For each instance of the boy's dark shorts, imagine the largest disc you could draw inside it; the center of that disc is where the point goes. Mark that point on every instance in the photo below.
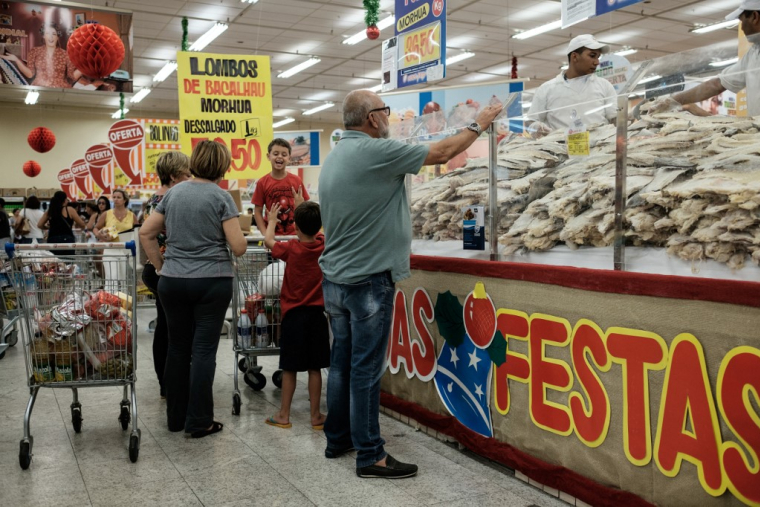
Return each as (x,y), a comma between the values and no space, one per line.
(304,340)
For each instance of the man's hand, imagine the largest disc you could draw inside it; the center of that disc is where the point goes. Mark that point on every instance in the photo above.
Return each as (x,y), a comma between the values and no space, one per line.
(487,115)
(297,196)
(662,105)
(538,129)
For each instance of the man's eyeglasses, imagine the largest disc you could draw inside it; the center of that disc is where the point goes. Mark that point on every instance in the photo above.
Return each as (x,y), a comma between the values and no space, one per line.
(386,110)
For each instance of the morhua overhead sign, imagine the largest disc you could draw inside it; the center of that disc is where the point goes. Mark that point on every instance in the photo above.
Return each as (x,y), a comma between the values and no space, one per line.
(227,98)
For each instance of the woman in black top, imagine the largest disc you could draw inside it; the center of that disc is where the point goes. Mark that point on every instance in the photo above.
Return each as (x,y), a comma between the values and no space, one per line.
(58,218)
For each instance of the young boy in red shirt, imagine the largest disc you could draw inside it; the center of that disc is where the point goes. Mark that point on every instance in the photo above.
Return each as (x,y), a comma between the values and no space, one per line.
(279,187)
(304,341)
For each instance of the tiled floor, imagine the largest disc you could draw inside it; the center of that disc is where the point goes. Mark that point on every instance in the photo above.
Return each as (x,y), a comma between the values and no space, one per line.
(248,463)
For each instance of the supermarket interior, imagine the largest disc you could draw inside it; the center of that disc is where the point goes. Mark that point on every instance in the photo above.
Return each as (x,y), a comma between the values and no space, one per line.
(572,188)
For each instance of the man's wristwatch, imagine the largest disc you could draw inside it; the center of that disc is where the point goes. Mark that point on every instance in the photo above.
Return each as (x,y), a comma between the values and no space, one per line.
(475,128)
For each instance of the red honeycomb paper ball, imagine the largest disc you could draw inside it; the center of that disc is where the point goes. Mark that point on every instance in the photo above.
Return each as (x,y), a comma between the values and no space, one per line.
(41,139)
(373,32)
(95,50)
(32,168)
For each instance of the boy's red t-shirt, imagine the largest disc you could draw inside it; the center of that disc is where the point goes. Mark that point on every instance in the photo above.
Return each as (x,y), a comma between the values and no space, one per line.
(302,283)
(269,190)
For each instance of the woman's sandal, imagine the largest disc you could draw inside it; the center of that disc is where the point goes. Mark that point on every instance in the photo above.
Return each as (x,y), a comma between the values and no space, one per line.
(215,428)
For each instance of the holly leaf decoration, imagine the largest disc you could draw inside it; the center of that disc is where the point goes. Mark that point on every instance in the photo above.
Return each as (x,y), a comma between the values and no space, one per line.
(497,351)
(448,316)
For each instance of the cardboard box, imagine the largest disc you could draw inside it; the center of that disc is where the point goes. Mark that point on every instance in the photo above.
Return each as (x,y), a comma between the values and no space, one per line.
(237,198)
(41,193)
(245,223)
(14,192)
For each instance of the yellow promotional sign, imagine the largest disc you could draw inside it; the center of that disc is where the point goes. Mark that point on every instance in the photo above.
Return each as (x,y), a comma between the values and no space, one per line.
(421,46)
(578,144)
(227,98)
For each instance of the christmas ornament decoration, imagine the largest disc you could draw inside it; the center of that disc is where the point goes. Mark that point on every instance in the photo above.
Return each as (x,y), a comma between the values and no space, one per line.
(373,32)
(41,139)
(463,382)
(514,67)
(32,168)
(480,316)
(185,44)
(95,50)
(121,106)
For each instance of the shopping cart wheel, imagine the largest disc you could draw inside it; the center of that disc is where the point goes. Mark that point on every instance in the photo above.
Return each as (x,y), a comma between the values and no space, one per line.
(25,455)
(2,354)
(12,339)
(134,448)
(76,417)
(255,381)
(277,378)
(243,364)
(124,416)
(236,404)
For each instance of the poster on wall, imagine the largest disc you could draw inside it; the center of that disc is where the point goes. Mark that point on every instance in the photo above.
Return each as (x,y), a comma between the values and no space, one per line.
(420,42)
(227,98)
(33,39)
(304,147)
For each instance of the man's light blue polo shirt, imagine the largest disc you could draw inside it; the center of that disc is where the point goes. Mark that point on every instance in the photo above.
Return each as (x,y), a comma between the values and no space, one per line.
(365,212)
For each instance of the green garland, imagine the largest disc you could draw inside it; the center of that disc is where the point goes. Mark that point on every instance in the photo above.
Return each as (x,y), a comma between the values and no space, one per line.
(184,34)
(373,10)
(121,105)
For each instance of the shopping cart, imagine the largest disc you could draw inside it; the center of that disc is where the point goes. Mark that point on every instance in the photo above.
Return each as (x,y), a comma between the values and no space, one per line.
(9,312)
(79,330)
(257,282)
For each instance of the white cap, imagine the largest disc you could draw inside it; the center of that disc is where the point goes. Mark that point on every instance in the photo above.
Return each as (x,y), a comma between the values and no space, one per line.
(745,5)
(589,41)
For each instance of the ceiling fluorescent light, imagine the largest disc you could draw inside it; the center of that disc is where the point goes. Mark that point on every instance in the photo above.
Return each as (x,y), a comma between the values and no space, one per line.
(538,30)
(716,26)
(626,52)
(140,95)
(249,1)
(165,72)
(318,108)
(376,88)
(298,68)
(650,78)
(31,97)
(117,114)
(283,122)
(724,62)
(360,36)
(459,57)
(209,36)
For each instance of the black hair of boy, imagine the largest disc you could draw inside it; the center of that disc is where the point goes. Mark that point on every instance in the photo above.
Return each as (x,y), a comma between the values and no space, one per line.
(278,141)
(308,218)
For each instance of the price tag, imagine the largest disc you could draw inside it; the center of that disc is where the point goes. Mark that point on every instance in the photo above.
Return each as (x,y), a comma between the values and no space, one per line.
(421,46)
(578,144)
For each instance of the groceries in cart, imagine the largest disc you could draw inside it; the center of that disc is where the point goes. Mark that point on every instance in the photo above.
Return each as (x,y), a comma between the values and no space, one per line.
(85,337)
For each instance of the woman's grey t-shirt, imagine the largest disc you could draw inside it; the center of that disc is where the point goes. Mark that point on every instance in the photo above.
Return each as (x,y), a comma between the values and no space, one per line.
(195,243)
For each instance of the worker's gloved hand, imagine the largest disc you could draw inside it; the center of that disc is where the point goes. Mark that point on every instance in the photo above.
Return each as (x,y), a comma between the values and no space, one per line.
(661,105)
(538,129)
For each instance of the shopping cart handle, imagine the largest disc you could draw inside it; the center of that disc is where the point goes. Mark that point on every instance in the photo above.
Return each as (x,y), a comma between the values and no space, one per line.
(10,248)
(130,245)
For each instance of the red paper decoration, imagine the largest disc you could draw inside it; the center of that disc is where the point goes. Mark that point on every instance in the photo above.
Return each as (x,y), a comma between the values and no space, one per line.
(373,32)
(41,139)
(514,67)
(32,168)
(95,50)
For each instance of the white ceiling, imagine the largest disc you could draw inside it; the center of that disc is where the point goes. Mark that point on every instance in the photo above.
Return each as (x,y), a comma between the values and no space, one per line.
(291,30)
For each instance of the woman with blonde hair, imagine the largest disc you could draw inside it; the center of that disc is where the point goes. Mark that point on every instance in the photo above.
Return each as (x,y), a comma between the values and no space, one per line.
(172,167)
(201,221)
(119,218)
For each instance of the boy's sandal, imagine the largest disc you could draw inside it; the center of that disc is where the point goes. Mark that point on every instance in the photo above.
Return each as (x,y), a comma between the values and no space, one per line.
(270,421)
(318,427)
(215,428)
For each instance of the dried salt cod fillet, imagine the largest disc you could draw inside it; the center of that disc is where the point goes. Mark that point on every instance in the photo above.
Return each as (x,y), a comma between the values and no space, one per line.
(721,144)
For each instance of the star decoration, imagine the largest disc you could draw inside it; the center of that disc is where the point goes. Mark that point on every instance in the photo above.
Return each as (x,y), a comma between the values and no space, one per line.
(478,391)
(474,360)
(454,357)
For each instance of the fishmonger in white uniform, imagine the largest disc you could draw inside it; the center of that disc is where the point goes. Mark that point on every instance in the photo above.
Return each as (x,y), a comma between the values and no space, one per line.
(577,94)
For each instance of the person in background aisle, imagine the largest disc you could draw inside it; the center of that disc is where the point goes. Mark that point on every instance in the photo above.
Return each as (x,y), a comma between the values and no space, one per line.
(280,187)
(305,342)
(368,236)
(118,219)
(29,218)
(5,227)
(576,94)
(195,287)
(172,167)
(101,206)
(743,74)
(58,219)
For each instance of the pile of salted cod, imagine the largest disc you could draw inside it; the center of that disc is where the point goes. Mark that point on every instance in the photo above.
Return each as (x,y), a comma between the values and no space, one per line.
(693,187)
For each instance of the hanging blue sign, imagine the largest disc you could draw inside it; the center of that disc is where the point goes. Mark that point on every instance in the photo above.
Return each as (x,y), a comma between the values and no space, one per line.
(605,6)
(421,46)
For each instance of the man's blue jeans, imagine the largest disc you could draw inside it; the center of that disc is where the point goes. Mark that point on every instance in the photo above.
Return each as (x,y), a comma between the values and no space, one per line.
(360,319)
